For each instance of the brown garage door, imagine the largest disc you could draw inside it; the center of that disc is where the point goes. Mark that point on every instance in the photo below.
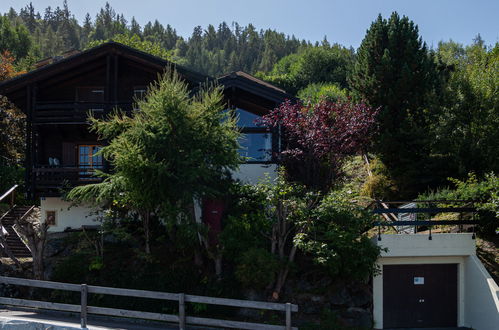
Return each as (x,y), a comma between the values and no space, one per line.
(419,296)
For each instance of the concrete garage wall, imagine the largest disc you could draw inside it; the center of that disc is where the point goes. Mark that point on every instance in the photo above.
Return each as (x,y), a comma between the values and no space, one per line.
(409,245)
(67,216)
(482,296)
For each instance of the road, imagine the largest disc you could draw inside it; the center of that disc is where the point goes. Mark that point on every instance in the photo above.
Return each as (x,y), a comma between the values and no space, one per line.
(63,321)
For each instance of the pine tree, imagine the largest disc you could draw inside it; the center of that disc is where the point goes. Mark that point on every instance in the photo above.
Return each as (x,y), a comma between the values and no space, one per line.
(395,72)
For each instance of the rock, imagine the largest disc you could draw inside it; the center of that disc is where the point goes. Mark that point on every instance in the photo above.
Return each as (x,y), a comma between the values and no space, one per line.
(356,317)
(361,297)
(311,309)
(340,297)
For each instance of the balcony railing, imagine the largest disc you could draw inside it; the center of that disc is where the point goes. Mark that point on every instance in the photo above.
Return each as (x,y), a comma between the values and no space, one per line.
(50,112)
(57,177)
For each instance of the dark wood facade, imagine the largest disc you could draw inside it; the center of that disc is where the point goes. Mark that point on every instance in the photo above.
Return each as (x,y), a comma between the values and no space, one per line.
(58,97)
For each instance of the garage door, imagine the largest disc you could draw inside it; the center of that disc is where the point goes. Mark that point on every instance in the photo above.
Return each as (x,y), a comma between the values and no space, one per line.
(420,296)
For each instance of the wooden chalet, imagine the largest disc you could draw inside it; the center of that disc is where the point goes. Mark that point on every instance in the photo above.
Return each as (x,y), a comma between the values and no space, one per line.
(58,96)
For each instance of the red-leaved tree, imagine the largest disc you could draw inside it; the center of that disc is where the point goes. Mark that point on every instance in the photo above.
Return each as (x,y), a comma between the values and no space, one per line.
(319,137)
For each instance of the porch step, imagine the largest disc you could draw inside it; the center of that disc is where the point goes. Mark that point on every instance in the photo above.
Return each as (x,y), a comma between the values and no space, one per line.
(14,242)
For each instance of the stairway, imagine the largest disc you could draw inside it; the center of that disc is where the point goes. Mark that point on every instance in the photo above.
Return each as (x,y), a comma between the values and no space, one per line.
(14,242)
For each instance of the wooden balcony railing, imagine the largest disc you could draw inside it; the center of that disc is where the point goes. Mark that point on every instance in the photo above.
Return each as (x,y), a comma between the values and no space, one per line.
(50,112)
(55,177)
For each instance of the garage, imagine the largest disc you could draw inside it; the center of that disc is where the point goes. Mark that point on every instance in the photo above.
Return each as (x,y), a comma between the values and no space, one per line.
(420,295)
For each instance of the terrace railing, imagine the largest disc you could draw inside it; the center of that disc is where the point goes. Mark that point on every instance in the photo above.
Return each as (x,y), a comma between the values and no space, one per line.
(459,207)
(182,319)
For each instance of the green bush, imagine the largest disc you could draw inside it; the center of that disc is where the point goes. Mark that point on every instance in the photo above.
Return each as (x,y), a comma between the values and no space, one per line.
(336,238)
(257,268)
(484,191)
(379,185)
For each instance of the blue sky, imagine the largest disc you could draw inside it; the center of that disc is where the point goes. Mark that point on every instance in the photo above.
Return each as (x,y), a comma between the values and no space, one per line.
(344,22)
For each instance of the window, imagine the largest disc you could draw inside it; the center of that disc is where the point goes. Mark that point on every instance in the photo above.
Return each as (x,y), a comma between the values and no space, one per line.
(256,140)
(88,160)
(139,93)
(256,147)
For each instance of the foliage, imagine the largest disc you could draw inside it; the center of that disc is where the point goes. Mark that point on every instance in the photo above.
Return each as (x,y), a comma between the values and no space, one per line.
(395,72)
(335,236)
(320,137)
(214,50)
(257,268)
(134,41)
(317,92)
(12,121)
(14,38)
(379,185)
(178,146)
(484,191)
(325,64)
(466,129)
(245,224)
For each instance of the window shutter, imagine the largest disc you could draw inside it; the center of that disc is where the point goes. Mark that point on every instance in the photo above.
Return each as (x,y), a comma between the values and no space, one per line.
(68,154)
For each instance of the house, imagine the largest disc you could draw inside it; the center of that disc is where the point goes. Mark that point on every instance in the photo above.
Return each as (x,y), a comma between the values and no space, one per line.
(57,96)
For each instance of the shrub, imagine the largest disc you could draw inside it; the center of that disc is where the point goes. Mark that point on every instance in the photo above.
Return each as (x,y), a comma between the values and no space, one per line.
(257,268)
(484,191)
(336,238)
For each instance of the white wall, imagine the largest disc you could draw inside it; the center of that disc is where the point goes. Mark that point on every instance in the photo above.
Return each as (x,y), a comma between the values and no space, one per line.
(414,245)
(253,173)
(478,294)
(482,296)
(67,216)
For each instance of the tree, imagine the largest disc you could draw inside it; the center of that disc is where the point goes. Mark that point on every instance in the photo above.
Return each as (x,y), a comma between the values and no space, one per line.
(395,72)
(175,149)
(15,39)
(466,128)
(12,120)
(320,137)
(323,64)
(134,41)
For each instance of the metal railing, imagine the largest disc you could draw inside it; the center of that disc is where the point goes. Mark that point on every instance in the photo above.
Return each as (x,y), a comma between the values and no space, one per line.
(182,319)
(12,193)
(385,208)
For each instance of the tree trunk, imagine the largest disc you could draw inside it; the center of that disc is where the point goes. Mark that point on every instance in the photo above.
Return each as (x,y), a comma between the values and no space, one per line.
(5,248)
(283,275)
(145,221)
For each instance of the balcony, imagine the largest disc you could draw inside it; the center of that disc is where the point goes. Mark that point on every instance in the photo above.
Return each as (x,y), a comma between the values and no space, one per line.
(74,112)
(49,181)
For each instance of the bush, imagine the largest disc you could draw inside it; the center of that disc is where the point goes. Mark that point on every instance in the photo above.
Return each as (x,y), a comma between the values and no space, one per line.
(336,238)
(484,191)
(257,268)
(380,185)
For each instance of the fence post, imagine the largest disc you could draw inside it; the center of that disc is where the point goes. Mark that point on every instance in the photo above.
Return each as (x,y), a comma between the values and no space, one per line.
(181,311)
(83,313)
(288,316)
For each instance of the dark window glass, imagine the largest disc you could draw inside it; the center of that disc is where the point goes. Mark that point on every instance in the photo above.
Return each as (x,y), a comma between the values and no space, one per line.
(246,118)
(256,146)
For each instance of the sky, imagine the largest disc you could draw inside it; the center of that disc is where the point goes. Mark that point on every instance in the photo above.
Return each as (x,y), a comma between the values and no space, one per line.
(344,22)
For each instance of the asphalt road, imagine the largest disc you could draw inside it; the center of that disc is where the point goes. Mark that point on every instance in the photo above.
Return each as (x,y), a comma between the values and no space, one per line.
(71,320)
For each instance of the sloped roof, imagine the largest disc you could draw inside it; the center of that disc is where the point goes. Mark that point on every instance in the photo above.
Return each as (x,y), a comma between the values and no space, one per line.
(78,59)
(245,81)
